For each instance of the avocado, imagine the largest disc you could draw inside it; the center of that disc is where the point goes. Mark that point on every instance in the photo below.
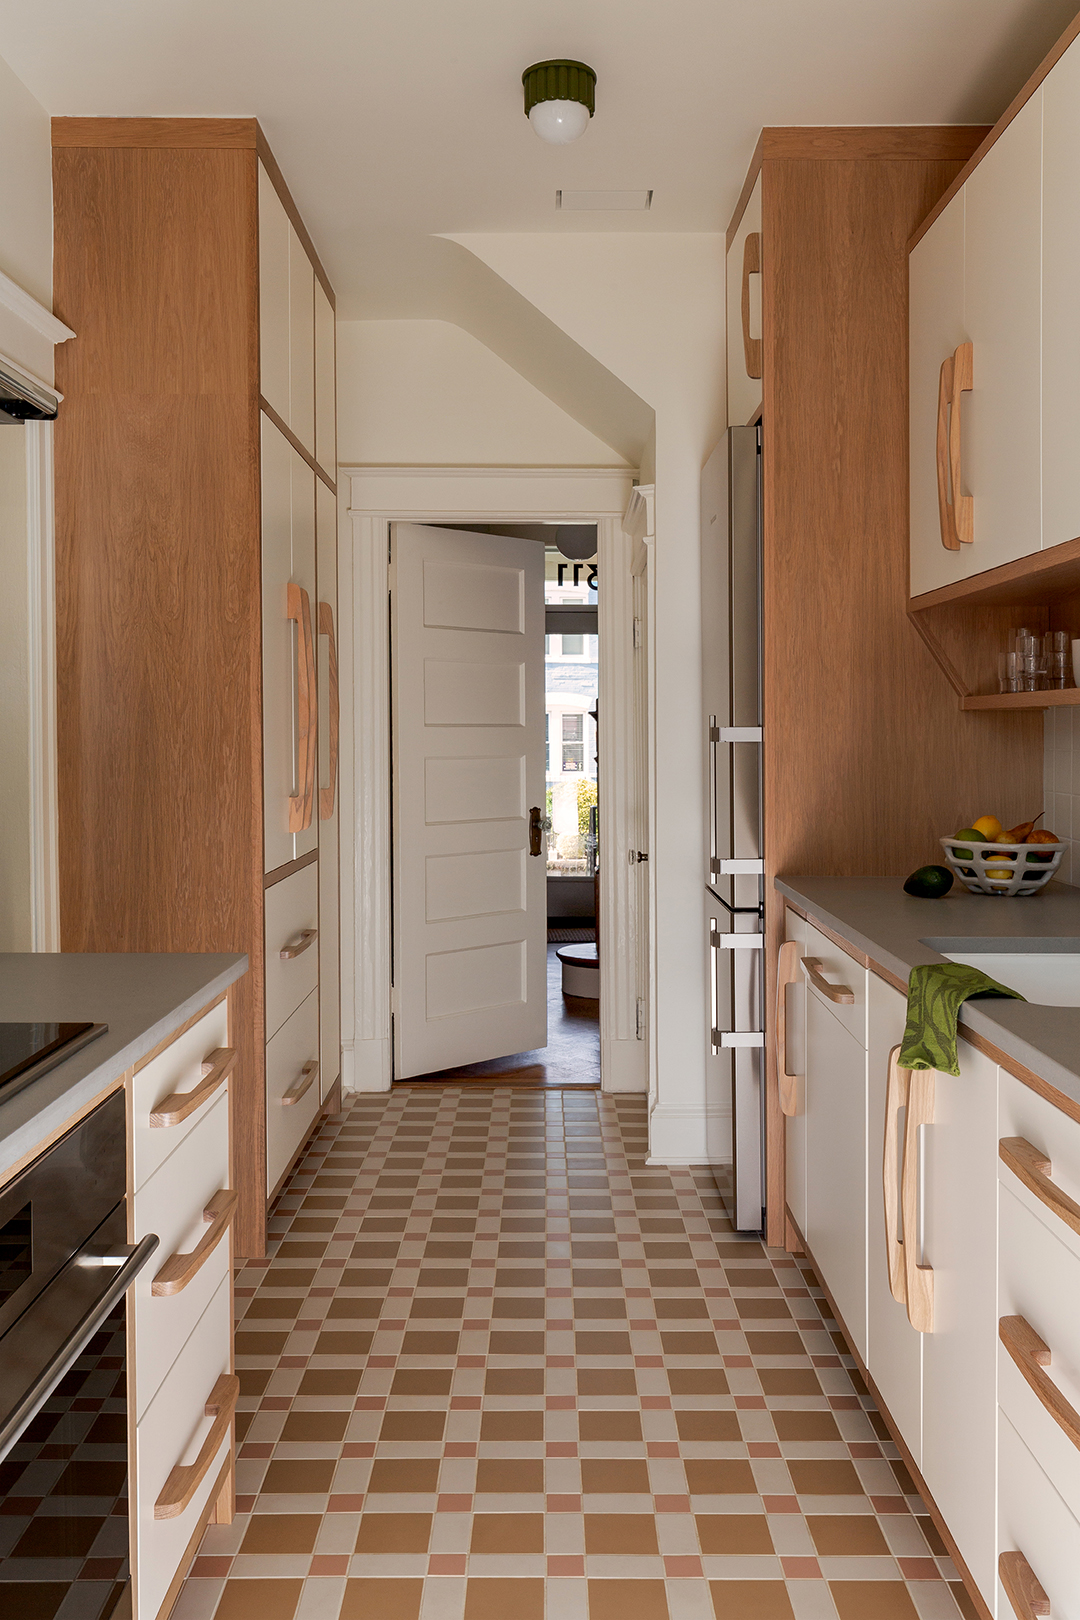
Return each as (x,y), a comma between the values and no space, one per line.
(929,882)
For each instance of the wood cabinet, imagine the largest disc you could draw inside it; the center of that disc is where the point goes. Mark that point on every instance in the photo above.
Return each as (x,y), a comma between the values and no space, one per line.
(744,349)
(196,584)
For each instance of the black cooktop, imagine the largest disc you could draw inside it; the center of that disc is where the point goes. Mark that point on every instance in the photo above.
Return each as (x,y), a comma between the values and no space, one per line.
(28,1051)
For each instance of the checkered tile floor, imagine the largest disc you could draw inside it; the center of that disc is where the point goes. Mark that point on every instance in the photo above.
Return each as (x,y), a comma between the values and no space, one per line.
(499,1368)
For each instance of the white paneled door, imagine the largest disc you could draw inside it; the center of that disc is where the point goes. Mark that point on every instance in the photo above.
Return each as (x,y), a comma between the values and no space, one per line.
(470,900)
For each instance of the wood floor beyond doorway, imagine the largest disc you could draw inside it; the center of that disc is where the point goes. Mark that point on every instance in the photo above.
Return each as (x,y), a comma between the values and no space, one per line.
(570,1058)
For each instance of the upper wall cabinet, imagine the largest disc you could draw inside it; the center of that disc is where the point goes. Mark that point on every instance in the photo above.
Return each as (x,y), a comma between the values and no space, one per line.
(325,383)
(744,345)
(975,316)
(286,317)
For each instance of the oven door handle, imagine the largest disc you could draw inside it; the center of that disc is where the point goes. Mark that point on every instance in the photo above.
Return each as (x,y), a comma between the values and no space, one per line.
(119,1265)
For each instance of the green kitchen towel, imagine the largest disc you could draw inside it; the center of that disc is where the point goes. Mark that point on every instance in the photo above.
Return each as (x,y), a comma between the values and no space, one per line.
(935,992)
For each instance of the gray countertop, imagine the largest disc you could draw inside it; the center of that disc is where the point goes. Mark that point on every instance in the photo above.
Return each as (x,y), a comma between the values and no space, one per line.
(889,926)
(142,998)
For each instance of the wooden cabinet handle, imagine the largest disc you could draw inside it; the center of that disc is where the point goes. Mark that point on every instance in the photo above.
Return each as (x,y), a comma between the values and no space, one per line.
(956,516)
(1032,1356)
(787,972)
(185,1479)
(297,947)
(751,266)
(181,1267)
(841,994)
(918,1279)
(178,1105)
(1033,1169)
(301,1084)
(328,794)
(1023,1591)
(896,1097)
(301,802)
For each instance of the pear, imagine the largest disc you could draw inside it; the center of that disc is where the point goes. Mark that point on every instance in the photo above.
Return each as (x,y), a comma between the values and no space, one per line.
(1020,833)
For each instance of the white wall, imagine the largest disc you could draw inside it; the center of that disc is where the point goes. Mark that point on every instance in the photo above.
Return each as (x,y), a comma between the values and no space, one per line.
(651,310)
(25,257)
(427,393)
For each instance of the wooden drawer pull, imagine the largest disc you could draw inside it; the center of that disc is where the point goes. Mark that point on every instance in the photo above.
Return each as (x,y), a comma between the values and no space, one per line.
(185,1479)
(1032,1356)
(956,516)
(326,628)
(1023,1591)
(178,1105)
(841,994)
(1033,1169)
(896,1097)
(918,1279)
(181,1267)
(787,970)
(303,1083)
(298,946)
(302,801)
(751,266)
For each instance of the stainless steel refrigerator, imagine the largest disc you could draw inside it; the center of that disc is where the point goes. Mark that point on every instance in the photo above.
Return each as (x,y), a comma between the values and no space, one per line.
(734,880)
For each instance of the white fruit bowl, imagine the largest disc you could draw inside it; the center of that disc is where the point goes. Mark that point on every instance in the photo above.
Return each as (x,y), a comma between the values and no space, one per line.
(1021,876)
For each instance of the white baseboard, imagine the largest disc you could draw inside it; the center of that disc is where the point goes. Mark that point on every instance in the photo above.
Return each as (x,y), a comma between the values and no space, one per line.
(678,1135)
(367,1065)
(624,1066)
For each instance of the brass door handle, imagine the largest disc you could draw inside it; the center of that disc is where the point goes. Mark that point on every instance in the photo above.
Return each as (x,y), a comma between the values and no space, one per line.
(538,825)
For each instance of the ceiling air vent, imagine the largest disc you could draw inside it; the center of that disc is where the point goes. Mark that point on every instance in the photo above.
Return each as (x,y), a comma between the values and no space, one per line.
(607,202)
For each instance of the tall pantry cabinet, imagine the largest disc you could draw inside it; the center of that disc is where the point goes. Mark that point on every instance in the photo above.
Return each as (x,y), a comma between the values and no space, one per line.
(197,595)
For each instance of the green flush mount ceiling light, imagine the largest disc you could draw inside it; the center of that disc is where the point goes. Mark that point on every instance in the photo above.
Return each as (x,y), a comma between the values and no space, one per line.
(560,98)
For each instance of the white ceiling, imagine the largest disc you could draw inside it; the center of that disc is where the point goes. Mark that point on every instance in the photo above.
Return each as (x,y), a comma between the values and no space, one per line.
(394,122)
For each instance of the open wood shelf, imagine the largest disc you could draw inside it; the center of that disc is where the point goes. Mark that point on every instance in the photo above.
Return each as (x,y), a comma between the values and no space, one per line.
(1022,700)
(1042,577)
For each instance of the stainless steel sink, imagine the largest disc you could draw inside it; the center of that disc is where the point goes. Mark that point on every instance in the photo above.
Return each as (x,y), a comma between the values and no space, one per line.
(1045,971)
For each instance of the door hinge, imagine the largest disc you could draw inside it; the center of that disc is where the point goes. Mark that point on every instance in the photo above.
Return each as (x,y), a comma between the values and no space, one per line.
(641,1018)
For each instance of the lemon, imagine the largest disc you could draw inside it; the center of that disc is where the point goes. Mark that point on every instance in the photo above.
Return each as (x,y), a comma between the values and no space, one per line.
(990,827)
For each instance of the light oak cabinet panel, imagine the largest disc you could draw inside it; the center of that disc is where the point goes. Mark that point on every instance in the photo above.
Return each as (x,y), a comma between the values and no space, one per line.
(744,391)
(1002,300)
(959,1241)
(894,1350)
(329,793)
(936,316)
(836,1162)
(1060,304)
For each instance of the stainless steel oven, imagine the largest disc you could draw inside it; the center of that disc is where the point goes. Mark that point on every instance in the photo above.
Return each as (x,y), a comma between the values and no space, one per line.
(65,1267)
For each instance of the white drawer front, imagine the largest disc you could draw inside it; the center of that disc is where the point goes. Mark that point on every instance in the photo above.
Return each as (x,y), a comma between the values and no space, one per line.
(172,1431)
(291,919)
(1034,1520)
(838,968)
(287,1124)
(1023,1114)
(178,1068)
(1039,1280)
(171,1204)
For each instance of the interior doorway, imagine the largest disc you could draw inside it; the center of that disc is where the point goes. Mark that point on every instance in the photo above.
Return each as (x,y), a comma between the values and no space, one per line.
(525,500)
(488,945)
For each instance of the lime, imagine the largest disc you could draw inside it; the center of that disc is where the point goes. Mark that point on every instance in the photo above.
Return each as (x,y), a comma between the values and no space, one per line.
(976,838)
(929,882)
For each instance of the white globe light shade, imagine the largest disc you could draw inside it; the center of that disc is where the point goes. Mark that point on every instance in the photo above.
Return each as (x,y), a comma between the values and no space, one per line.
(559,122)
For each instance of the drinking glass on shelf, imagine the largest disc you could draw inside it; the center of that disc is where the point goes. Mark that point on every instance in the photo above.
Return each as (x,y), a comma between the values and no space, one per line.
(1008,680)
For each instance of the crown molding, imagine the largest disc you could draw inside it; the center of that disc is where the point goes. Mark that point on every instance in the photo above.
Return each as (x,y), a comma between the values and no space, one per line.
(43,321)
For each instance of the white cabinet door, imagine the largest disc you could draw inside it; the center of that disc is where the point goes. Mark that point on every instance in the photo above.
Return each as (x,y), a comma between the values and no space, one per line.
(836,1162)
(792,1054)
(959,1241)
(274,317)
(744,391)
(301,343)
(1002,449)
(325,383)
(893,1348)
(1060,305)
(288,557)
(936,320)
(329,794)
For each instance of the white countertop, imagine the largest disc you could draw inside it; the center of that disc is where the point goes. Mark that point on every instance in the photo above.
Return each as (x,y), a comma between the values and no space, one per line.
(142,997)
